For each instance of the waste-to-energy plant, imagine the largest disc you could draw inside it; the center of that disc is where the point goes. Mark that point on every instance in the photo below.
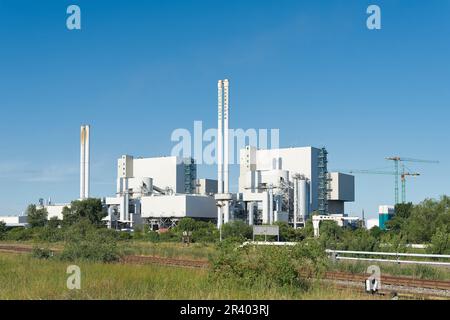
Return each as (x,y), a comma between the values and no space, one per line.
(284,184)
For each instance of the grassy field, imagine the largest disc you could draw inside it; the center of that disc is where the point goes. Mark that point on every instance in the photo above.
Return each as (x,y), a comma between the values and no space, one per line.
(195,251)
(23,277)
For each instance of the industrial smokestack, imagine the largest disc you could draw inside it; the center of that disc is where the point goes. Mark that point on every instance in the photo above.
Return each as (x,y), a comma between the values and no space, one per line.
(226,147)
(219,149)
(84,162)
(219,137)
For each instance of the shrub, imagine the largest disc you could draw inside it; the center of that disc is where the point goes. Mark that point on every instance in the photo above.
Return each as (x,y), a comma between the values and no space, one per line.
(19,234)
(269,266)
(49,234)
(37,217)
(440,241)
(86,242)
(237,230)
(41,253)
(3,230)
(90,209)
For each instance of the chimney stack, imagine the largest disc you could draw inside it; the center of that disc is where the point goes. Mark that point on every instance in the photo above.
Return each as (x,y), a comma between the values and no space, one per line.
(84,162)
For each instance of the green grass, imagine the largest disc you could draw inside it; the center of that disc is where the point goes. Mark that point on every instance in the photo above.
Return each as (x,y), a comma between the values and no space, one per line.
(195,251)
(24,277)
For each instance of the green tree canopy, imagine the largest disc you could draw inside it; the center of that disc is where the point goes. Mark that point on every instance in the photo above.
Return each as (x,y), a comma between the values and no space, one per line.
(90,209)
(36,217)
(3,229)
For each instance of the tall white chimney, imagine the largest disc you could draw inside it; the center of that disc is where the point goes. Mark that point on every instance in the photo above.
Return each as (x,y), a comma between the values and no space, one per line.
(84,162)
(226,148)
(220,138)
(87,173)
(219,149)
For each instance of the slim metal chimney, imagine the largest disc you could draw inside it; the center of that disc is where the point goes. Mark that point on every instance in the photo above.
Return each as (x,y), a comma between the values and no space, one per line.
(84,162)
(219,149)
(226,148)
(220,138)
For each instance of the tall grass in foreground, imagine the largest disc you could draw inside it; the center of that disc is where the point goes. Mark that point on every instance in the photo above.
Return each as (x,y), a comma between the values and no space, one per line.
(194,251)
(24,277)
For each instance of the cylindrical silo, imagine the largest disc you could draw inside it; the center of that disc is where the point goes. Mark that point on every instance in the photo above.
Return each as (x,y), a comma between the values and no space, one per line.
(303,198)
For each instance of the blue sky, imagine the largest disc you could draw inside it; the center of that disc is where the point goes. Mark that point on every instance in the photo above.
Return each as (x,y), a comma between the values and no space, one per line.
(140,69)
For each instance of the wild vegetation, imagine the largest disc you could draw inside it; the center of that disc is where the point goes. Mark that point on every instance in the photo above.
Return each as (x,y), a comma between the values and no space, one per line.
(24,277)
(236,272)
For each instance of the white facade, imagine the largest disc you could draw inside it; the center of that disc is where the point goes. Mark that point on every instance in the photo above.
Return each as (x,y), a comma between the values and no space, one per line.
(280,162)
(14,221)
(342,187)
(158,189)
(386,209)
(370,223)
(55,210)
(165,172)
(178,206)
(206,186)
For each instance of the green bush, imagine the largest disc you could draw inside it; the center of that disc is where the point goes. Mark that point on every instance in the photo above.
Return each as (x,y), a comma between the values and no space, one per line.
(87,242)
(237,231)
(268,266)
(123,235)
(440,241)
(19,234)
(37,217)
(41,253)
(49,234)
(3,230)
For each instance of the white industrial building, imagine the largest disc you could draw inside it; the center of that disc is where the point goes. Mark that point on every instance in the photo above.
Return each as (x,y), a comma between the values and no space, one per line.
(14,221)
(158,191)
(286,184)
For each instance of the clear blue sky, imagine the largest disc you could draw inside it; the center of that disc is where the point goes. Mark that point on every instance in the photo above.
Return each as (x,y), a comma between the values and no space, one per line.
(140,69)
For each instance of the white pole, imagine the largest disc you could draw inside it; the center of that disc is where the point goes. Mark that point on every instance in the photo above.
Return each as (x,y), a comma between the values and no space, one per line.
(87,163)
(220,138)
(82,159)
(219,150)
(226,148)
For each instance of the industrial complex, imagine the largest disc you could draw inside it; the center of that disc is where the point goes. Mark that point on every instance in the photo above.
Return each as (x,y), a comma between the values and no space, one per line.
(283,184)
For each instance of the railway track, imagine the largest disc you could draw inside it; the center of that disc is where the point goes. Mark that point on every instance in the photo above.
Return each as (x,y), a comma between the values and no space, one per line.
(165,261)
(391,280)
(15,248)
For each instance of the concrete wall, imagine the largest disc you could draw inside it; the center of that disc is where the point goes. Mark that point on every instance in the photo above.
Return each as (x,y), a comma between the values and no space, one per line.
(342,187)
(178,206)
(55,210)
(206,186)
(14,221)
